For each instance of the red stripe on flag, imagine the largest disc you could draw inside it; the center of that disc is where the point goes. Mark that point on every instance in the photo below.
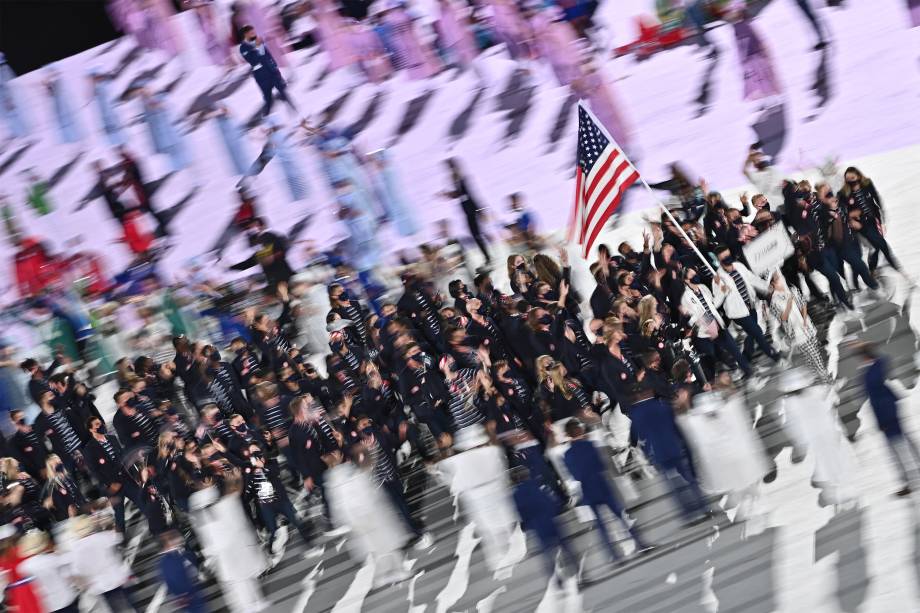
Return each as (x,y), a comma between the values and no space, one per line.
(614,205)
(614,154)
(596,202)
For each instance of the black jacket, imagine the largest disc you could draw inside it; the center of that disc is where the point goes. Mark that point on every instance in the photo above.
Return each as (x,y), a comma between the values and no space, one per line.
(106,469)
(270,253)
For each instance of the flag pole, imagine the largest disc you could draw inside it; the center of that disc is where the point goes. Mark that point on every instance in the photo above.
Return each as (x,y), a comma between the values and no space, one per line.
(650,191)
(676,225)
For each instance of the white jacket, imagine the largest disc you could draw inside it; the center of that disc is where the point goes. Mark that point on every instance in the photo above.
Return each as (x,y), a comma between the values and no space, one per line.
(730,298)
(98,562)
(694,308)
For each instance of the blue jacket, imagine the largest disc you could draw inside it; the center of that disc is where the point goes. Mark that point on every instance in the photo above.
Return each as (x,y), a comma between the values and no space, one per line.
(264,67)
(177,573)
(653,422)
(538,509)
(884,401)
(587,467)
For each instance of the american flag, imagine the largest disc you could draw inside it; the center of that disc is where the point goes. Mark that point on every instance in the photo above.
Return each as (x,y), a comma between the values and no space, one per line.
(602,174)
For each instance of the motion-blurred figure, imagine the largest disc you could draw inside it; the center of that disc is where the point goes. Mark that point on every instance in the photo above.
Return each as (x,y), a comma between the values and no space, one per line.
(266,23)
(586,465)
(149,21)
(884,403)
(538,508)
(356,502)
(471,209)
(11,110)
(264,69)
(728,457)
(179,575)
(233,138)
(238,561)
(390,193)
(104,104)
(811,423)
(477,475)
(164,135)
(69,129)
(215,41)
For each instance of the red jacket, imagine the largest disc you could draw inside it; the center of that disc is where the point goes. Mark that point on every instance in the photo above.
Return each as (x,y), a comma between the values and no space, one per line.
(35,269)
(137,239)
(88,266)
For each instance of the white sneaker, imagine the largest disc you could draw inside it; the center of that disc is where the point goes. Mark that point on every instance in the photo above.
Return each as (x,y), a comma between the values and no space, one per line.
(424,542)
(281,537)
(314,552)
(340,531)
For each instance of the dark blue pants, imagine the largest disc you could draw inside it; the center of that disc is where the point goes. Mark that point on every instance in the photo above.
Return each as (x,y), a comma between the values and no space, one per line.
(132,492)
(532,459)
(267,86)
(550,544)
(270,513)
(708,347)
(824,264)
(192,602)
(850,253)
(610,502)
(684,486)
(871,233)
(394,490)
(119,600)
(754,334)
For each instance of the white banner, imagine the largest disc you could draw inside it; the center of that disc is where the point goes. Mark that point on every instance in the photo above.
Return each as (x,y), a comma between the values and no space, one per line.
(768,250)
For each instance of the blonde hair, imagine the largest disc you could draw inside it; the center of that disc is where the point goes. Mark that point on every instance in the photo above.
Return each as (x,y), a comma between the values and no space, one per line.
(297,404)
(542,372)
(612,325)
(9,467)
(557,375)
(162,442)
(50,462)
(648,308)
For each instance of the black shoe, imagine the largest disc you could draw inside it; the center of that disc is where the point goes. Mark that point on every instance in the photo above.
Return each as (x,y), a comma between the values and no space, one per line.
(821,45)
(904,491)
(770,477)
(643,549)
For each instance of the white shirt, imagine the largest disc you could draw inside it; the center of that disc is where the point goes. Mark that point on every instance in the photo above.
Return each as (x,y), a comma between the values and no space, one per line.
(728,295)
(769,183)
(797,327)
(691,304)
(52,579)
(96,559)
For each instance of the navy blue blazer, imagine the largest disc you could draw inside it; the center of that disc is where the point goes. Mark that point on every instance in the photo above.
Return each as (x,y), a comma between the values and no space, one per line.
(884,401)
(177,573)
(653,422)
(264,67)
(587,467)
(537,509)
